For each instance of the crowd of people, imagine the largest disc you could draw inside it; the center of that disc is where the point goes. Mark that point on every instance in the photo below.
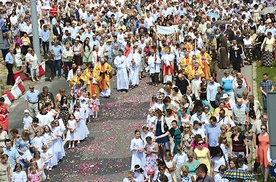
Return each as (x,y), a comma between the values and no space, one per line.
(48,121)
(197,127)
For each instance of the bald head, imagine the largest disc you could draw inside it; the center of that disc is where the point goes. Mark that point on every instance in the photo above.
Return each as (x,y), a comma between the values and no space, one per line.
(239,101)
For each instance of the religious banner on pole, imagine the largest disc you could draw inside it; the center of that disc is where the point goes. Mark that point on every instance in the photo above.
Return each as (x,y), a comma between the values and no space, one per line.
(169,31)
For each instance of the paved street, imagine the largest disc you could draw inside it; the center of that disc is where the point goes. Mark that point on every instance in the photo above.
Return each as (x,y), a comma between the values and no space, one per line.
(105,155)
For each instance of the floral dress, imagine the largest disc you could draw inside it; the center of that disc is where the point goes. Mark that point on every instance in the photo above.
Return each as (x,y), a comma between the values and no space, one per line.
(186,142)
(64,113)
(150,159)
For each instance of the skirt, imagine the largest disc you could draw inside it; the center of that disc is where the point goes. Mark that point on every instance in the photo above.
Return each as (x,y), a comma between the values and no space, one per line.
(268,58)
(78,60)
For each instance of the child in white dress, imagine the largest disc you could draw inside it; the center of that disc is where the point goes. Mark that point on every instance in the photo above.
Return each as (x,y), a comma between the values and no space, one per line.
(52,148)
(71,133)
(47,156)
(82,129)
(38,141)
(151,118)
(57,130)
(27,119)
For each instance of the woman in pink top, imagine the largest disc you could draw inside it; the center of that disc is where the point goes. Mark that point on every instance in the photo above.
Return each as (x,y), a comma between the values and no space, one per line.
(194,144)
(127,49)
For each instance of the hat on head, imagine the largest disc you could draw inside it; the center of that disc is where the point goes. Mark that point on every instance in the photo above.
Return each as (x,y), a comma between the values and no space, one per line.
(161,90)
(224,96)
(26,111)
(109,40)
(159,97)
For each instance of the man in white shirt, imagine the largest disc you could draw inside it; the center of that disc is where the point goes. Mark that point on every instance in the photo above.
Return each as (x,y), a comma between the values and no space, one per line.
(74,30)
(198,131)
(223,119)
(149,21)
(200,117)
(212,90)
(196,84)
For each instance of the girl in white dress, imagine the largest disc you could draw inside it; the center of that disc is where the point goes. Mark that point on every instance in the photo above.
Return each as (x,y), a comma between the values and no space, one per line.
(46,155)
(71,133)
(137,150)
(19,175)
(38,141)
(18,57)
(57,130)
(50,138)
(80,115)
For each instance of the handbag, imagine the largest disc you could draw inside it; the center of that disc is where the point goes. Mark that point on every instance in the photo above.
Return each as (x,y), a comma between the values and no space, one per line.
(243,55)
(165,126)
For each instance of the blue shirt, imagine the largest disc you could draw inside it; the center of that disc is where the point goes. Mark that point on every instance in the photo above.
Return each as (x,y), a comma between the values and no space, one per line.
(212,91)
(13,155)
(57,50)
(44,35)
(32,96)
(94,43)
(212,133)
(227,84)
(9,59)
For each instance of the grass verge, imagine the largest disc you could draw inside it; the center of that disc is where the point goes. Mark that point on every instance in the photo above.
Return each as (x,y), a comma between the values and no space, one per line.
(260,69)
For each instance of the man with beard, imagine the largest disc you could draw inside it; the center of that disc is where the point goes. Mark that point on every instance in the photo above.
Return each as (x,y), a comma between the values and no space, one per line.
(103,70)
(72,72)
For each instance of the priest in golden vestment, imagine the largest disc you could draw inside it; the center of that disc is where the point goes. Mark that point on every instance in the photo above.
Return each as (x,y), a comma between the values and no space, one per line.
(205,59)
(76,78)
(103,70)
(186,61)
(192,68)
(89,77)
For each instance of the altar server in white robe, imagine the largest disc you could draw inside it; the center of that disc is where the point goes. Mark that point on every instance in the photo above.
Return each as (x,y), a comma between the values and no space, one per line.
(122,65)
(154,63)
(137,150)
(167,65)
(135,60)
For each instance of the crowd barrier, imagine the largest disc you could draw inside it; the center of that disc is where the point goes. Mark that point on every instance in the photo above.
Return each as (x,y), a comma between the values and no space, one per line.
(18,88)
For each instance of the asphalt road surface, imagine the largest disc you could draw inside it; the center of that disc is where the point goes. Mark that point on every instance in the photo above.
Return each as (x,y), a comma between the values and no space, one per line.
(104,156)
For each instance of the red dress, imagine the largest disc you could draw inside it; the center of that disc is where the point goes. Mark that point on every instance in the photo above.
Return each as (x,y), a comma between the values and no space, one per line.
(4,119)
(262,149)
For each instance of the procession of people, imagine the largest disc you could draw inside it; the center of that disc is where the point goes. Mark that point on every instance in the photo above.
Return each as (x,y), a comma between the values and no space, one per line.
(198,127)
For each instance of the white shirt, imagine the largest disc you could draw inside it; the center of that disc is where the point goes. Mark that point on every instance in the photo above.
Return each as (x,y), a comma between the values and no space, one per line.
(28,29)
(19,176)
(179,159)
(27,121)
(226,120)
(199,131)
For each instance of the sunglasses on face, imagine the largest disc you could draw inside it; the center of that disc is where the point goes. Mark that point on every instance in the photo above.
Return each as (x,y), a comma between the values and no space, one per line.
(263,129)
(187,127)
(201,143)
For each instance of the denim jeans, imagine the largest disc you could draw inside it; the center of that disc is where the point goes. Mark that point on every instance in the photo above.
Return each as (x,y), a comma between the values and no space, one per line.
(265,103)
(57,66)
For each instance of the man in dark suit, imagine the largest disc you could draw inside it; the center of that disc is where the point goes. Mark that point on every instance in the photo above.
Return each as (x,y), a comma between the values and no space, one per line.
(235,56)
(57,31)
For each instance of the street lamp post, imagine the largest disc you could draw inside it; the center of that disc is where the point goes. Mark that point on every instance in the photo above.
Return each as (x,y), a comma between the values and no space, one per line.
(36,44)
